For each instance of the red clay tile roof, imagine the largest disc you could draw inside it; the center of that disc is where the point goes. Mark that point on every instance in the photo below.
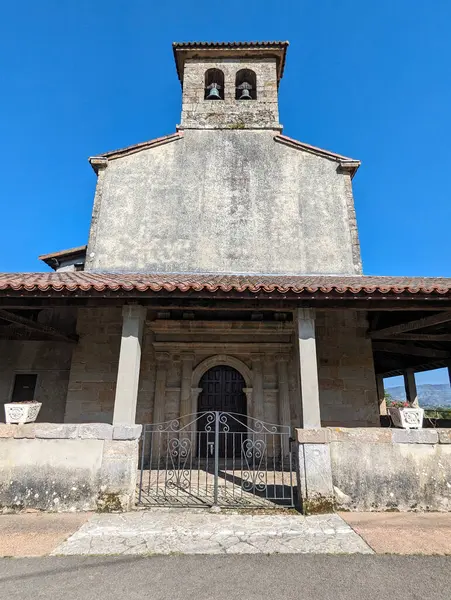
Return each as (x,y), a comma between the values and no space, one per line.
(84,282)
(229,44)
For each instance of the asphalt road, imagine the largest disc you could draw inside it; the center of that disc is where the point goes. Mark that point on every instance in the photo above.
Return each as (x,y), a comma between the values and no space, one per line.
(243,577)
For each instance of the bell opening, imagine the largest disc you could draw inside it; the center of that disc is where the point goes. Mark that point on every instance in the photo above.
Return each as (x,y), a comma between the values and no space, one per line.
(245,85)
(214,84)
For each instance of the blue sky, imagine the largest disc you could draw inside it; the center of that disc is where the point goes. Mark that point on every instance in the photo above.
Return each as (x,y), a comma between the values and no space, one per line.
(367,79)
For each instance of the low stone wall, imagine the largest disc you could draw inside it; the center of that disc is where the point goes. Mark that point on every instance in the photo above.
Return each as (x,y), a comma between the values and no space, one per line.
(65,467)
(365,469)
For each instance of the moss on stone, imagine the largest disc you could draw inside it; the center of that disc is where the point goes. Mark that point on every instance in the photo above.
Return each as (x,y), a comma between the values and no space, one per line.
(318,506)
(109,502)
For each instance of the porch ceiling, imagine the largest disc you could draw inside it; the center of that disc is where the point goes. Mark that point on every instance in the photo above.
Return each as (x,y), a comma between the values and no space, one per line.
(417,340)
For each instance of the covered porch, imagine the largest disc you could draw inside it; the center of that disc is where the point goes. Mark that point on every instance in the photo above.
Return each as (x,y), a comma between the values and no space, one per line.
(305,355)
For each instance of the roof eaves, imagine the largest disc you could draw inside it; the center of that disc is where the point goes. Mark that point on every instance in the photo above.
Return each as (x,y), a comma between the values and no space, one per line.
(101,160)
(180,46)
(345,162)
(61,253)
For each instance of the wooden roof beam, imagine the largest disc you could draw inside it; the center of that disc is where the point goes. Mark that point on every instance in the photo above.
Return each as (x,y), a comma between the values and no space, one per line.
(38,327)
(393,347)
(443,317)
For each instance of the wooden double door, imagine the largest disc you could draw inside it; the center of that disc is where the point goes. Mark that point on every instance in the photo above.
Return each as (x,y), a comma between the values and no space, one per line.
(222,390)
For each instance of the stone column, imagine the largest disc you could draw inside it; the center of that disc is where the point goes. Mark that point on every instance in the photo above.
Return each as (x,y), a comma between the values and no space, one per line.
(195,399)
(381,394)
(308,368)
(187,359)
(258,408)
(160,387)
(411,387)
(133,317)
(284,398)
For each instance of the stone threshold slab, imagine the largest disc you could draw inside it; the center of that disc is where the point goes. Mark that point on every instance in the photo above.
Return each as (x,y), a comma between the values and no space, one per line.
(196,531)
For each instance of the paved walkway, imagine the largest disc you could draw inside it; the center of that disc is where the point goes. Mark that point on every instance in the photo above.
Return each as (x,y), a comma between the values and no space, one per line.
(403,533)
(177,531)
(37,534)
(188,531)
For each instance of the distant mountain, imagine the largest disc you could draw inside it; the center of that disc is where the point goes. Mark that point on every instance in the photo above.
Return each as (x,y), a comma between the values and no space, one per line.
(430,395)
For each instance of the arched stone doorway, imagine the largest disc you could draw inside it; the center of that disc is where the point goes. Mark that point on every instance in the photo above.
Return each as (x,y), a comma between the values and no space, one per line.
(222,389)
(221,360)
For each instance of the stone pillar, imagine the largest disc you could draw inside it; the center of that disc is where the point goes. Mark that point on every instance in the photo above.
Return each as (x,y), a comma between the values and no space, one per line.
(160,387)
(411,387)
(314,471)
(258,408)
(187,359)
(308,368)
(381,394)
(284,398)
(133,317)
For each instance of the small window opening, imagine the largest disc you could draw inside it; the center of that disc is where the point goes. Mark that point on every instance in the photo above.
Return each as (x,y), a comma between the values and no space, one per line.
(214,84)
(246,85)
(24,387)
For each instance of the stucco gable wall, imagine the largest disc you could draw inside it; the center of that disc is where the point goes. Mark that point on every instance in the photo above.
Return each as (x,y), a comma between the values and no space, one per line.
(223,201)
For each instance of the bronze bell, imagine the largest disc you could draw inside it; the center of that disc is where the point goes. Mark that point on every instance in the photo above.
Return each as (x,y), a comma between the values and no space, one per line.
(214,94)
(245,95)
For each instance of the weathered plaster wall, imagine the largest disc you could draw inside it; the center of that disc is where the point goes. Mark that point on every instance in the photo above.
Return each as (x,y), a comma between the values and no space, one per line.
(224,202)
(50,361)
(347,381)
(68,467)
(383,469)
(259,113)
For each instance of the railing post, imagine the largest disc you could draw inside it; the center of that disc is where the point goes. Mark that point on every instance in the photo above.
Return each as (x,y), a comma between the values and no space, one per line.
(216,482)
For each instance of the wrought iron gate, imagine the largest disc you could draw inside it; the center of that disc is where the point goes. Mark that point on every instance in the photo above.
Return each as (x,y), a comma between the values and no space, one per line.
(216,458)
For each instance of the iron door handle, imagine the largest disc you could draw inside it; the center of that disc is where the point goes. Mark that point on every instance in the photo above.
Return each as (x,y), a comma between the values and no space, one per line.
(211,446)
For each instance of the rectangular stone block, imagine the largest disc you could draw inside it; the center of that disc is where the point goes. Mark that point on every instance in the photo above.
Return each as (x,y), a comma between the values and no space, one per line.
(56,431)
(120,449)
(414,436)
(444,436)
(6,430)
(127,432)
(313,436)
(97,431)
(25,431)
(371,435)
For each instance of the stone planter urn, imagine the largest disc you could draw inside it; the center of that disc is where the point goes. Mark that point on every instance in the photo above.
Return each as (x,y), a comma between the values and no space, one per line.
(407,418)
(22,412)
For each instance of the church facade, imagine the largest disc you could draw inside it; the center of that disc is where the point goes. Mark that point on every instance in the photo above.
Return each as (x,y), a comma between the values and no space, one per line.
(222,273)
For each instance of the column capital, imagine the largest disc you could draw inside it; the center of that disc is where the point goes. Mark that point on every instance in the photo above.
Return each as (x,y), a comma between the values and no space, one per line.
(257,357)
(134,311)
(162,357)
(284,358)
(187,356)
(306,314)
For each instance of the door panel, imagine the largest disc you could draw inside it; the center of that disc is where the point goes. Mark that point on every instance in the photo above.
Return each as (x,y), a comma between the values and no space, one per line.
(222,390)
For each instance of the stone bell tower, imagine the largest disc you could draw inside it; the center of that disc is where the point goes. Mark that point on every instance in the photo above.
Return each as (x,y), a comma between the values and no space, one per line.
(230,86)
